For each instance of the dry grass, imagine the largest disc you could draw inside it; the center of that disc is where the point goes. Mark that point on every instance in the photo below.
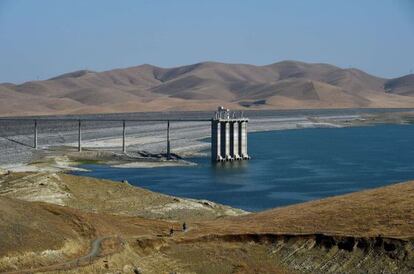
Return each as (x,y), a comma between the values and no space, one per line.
(63,224)
(386,211)
(70,249)
(204,86)
(105,196)
(128,260)
(220,257)
(273,241)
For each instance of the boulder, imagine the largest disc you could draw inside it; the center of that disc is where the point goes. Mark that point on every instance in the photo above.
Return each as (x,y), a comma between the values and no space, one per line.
(4,172)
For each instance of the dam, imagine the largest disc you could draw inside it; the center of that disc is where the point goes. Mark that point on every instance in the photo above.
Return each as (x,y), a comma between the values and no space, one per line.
(228,136)
(228,131)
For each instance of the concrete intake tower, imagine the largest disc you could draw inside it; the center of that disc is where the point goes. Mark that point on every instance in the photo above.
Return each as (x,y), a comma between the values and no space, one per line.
(228,136)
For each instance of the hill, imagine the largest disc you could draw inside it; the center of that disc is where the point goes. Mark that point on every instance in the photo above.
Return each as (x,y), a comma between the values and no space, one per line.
(364,232)
(402,85)
(203,86)
(385,211)
(48,220)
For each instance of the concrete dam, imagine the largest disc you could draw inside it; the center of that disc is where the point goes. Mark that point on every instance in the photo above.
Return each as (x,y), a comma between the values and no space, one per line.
(228,136)
(228,131)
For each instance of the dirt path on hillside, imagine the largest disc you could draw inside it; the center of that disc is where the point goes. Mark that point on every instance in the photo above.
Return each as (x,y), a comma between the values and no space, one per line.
(87,259)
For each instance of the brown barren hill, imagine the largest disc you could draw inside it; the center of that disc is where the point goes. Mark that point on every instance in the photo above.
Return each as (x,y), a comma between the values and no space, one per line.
(203,86)
(386,211)
(402,85)
(34,234)
(365,232)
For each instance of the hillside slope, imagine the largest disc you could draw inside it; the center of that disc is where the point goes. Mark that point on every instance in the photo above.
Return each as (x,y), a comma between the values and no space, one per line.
(402,85)
(364,232)
(386,211)
(203,86)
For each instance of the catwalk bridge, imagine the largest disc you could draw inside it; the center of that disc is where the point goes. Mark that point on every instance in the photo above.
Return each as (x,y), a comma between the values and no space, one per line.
(228,133)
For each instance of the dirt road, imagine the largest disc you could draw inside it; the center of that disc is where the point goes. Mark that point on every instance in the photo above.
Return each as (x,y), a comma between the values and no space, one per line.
(94,253)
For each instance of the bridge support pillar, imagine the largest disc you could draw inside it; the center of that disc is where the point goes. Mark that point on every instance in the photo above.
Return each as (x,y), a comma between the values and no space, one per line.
(168,141)
(123,137)
(216,141)
(234,140)
(79,136)
(35,135)
(225,140)
(243,140)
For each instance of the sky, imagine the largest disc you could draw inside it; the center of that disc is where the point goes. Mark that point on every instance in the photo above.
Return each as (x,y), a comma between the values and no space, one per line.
(40,39)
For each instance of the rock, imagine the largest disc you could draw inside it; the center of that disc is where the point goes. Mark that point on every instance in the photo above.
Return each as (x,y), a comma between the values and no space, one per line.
(128,269)
(131,269)
(4,172)
(207,204)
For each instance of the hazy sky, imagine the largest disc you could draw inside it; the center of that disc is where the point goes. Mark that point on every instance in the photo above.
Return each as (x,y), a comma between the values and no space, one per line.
(43,38)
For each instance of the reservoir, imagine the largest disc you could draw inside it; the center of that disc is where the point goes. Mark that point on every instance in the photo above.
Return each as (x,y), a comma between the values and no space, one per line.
(287,167)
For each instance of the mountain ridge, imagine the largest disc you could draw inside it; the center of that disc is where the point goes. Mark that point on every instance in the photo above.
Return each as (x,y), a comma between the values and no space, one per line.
(203,86)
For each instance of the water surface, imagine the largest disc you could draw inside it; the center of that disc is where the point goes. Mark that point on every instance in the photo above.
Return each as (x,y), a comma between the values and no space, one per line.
(287,167)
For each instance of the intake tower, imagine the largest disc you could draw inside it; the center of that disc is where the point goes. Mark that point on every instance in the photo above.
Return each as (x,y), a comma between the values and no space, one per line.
(228,136)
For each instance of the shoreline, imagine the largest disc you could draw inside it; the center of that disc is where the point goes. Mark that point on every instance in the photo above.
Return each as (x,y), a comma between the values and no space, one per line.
(186,138)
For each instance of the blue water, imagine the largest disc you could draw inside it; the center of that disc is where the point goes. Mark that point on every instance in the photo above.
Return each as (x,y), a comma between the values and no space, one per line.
(287,167)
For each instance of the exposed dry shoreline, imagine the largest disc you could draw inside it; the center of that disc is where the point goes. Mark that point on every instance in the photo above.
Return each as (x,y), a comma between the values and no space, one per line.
(146,143)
